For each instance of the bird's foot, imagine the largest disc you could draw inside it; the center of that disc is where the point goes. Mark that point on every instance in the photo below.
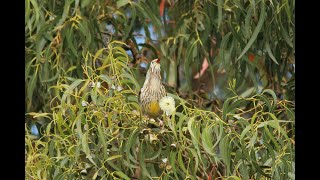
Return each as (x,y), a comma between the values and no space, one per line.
(161,124)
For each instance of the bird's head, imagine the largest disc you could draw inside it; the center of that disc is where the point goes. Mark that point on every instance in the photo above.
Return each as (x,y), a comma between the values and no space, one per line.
(154,71)
(155,65)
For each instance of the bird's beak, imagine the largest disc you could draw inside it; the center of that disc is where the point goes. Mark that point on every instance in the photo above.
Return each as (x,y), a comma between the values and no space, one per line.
(158,61)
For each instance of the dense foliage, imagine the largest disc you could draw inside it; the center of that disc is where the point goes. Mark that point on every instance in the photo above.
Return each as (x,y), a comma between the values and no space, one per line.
(82,80)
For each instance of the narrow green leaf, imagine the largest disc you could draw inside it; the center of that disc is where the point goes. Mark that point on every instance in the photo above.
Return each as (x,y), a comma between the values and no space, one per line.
(195,157)
(172,161)
(219,4)
(156,154)
(40,45)
(189,58)
(225,153)
(271,136)
(234,178)
(52,78)
(256,165)
(223,46)
(229,106)
(194,132)
(248,92)
(76,5)
(265,100)
(218,134)
(121,3)
(36,10)
(144,9)
(252,140)
(102,140)
(244,132)
(70,89)
(94,96)
(225,108)
(85,145)
(285,35)
(142,163)
(95,175)
(253,5)
(84,29)
(106,79)
(27,11)
(206,138)
(70,44)
(129,28)
(181,163)
(246,30)
(122,175)
(114,157)
(267,45)
(65,13)
(129,145)
(31,85)
(256,31)
(98,53)
(271,92)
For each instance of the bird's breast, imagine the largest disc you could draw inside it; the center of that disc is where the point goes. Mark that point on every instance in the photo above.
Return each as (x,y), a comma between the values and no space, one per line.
(155,84)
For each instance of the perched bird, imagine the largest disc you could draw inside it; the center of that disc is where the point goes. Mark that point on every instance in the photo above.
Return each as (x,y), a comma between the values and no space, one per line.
(152,91)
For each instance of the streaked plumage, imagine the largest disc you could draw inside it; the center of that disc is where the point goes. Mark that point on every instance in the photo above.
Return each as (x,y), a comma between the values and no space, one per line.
(152,91)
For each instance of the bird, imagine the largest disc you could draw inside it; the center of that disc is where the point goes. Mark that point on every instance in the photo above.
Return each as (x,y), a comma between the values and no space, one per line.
(152,91)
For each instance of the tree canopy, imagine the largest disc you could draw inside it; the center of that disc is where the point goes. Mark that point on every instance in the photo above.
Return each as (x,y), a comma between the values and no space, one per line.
(229,65)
